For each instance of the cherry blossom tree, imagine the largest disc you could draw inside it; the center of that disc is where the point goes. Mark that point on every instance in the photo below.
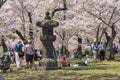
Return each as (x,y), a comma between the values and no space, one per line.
(21,14)
(64,36)
(3,44)
(109,16)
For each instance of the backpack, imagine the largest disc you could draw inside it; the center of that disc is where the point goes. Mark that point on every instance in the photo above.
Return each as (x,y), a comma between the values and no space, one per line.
(18,49)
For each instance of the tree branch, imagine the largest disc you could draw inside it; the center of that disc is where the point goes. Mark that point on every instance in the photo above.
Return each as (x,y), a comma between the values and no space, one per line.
(2,2)
(108,38)
(59,9)
(116,21)
(30,18)
(58,34)
(112,15)
(20,35)
(95,16)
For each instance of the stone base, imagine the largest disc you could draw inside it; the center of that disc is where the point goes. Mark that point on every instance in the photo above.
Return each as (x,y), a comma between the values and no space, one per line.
(49,64)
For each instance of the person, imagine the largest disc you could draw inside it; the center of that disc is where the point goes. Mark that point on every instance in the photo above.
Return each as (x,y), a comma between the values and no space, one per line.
(64,62)
(102,49)
(114,48)
(13,56)
(35,55)
(87,49)
(29,51)
(118,48)
(86,62)
(40,56)
(58,54)
(94,50)
(18,49)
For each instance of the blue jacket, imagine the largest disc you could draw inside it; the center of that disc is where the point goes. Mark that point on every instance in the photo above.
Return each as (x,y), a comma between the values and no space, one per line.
(18,47)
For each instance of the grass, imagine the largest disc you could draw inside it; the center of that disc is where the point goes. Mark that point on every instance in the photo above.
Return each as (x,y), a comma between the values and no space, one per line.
(106,70)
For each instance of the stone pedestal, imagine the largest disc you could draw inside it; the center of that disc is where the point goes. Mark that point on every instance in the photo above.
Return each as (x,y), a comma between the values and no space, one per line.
(49,61)
(49,64)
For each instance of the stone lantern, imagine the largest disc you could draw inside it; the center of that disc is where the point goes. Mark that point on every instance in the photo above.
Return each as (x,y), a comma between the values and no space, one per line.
(47,38)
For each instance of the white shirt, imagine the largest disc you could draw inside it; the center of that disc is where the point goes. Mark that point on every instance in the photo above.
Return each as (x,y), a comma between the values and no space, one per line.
(87,61)
(101,47)
(88,48)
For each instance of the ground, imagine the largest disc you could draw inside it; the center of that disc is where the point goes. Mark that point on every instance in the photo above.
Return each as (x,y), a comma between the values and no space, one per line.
(106,70)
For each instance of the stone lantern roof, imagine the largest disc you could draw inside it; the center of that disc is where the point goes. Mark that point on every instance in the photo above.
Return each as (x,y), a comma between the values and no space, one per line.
(47,22)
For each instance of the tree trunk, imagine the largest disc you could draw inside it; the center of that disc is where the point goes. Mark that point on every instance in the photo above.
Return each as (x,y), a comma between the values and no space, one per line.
(97,40)
(3,44)
(110,40)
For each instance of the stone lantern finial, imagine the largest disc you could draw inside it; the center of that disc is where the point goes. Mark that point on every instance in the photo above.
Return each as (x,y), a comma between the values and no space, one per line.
(47,16)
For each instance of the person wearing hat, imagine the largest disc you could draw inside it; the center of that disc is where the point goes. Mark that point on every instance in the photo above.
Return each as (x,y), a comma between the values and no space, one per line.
(29,51)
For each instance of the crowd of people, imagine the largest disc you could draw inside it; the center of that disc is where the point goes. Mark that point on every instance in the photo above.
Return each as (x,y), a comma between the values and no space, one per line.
(22,52)
(28,49)
(92,50)
(29,54)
